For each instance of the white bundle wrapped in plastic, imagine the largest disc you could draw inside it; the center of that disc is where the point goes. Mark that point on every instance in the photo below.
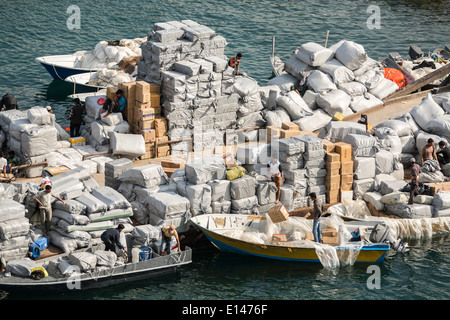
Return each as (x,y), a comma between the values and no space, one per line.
(395,197)
(20,125)
(351,54)
(335,101)
(127,144)
(287,146)
(374,198)
(14,228)
(371,78)
(11,210)
(337,71)
(20,267)
(440,126)
(199,196)
(6,117)
(244,205)
(147,176)
(335,131)
(164,204)
(360,187)
(353,88)
(284,81)
(293,103)
(387,187)
(363,102)
(145,235)
(426,111)
(297,68)
(314,54)
(39,115)
(319,81)
(112,198)
(112,119)
(92,203)
(401,128)
(384,88)
(363,167)
(77,219)
(317,120)
(105,258)
(205,169)
(385,162)
(410,211)
(39,141)
(84,260)
(243,187)
(220,190)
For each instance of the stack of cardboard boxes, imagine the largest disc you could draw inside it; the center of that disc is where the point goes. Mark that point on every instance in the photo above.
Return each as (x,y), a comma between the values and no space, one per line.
(144,115)
(339,164)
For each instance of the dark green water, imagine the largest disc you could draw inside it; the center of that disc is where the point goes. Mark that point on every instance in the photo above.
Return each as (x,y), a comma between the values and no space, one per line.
(35,28)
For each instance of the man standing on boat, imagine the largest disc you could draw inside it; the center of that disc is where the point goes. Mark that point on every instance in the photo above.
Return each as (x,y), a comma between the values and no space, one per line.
(76,117)
(169,233)
(44,199)
(111,238)
(415,171)
(235,61)
(317,214)
(9,102)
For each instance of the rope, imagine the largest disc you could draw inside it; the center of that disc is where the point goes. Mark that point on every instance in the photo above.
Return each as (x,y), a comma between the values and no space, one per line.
(56,72)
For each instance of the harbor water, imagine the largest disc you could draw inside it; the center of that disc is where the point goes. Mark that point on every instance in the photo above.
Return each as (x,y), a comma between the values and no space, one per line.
(36,28)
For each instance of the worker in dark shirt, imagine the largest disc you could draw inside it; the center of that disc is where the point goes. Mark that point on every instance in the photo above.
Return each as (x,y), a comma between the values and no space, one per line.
(76,117)
(111,238)
(443,153)
(415,171)
(316,214)
(9,102)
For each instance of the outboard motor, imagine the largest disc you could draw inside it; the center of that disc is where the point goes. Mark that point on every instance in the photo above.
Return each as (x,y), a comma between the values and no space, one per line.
(380,234)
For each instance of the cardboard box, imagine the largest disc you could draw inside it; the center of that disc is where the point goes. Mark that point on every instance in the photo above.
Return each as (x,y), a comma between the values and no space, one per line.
(333,157)
(155,100)
(160,126)
(145,124)
(145,111)
(309,236)
(272,133)
(142,86)
(347,168)
(329,232)
(149,135)
(143,96)
(346,187)
(129,91)
(333,196)
(162,151)
(346,179)
(162,139)
(328,146)
(289,133)
(279,237)
(345,150)
(149,154)
(155,88)
(333,182)
(177,164)
(230,162)
(332,241)
(334,172)
(333,166)
(278,213)
(290,126)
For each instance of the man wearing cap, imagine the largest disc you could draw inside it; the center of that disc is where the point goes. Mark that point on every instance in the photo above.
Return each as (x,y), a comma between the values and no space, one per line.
(52,116)
(415,171)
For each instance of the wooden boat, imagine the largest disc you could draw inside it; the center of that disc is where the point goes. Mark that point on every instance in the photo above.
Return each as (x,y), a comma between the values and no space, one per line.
(215,227)
(154,267)
(62,66)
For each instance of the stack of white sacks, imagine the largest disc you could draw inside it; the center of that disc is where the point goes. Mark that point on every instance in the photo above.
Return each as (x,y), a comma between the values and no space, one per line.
(379,159)
(36,137)
(104,60)
(14,226)
(201,96)
(340,79)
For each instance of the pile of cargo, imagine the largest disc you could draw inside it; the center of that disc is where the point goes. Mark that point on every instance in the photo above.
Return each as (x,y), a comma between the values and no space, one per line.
(320,84)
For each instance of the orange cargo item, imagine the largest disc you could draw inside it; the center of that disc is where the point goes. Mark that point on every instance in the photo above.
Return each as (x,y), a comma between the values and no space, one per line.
(396,76)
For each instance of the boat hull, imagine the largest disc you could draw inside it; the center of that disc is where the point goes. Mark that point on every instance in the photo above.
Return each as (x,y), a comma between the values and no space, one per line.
(368,254)
(61,73)
(152,268)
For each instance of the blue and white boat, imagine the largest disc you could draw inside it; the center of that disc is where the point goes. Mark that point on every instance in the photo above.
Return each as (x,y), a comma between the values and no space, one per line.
(62,66)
